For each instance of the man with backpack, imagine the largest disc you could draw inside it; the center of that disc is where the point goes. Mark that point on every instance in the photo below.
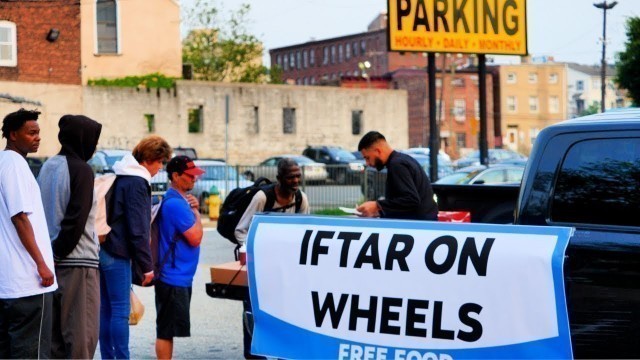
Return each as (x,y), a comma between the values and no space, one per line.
(279,197)
(284,196)
(66,185)
(180,234)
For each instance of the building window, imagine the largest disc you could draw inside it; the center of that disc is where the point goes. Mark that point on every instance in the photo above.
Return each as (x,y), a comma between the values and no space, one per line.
(285,63)
(347,51)
(305,59)
(459,109)
(580,85)
(533,78)
(438,82)
(553,78)
(355,48)
(288,120)
(440,109)
(107,26)
(196,116)
(554,104)
(150,119)
(512,104)
(533,104)
(340,53)
(256,120)
(298,60)
(363,47)
(8,44)
(333,54)
(587,189)
(512,78)
(533,134)
(278,60)
(461,140)
(356,122)
(325,60)
(476,109)
(312,57)
(292,61)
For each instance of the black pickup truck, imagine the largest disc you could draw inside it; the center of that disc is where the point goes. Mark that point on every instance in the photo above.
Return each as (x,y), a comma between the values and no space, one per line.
(583,173)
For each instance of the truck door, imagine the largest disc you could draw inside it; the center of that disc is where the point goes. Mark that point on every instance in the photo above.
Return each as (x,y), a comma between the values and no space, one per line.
(597,190)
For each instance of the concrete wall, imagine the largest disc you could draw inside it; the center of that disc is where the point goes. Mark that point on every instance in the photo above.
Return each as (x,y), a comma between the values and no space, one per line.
(52,100)
(323,117)
(148,35)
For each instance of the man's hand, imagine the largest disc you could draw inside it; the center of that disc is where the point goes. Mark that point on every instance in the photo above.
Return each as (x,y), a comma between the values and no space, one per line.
(147,278)
(369,209)
(193,202)
(46,275)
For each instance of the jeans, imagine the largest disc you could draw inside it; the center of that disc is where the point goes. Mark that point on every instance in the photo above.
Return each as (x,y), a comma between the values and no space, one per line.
(115,285)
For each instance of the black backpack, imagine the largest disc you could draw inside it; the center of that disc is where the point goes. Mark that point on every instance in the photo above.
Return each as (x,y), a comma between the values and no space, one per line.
(239,199)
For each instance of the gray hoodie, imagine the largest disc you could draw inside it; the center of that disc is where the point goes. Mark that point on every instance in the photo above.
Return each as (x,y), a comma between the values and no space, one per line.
(66,185)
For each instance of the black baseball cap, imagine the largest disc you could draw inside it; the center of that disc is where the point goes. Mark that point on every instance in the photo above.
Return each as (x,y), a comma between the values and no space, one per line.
(183,164)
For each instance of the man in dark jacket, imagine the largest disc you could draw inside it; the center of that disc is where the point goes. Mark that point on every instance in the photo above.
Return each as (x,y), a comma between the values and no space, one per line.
(66,186)
(408,192)
(129,216)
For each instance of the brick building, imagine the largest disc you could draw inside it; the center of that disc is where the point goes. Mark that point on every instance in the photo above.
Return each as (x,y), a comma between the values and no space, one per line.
(40,41)
(364,61)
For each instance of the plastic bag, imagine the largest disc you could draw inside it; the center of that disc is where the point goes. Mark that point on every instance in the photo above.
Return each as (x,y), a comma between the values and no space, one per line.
(137,309)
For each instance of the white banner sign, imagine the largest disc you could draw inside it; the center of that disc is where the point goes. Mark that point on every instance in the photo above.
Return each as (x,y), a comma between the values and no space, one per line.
(348,288)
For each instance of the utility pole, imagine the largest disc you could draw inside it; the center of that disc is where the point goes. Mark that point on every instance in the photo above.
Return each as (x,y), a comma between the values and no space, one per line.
(603,87)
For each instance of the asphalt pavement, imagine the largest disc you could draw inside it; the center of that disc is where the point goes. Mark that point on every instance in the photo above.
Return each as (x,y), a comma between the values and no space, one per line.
(216,325)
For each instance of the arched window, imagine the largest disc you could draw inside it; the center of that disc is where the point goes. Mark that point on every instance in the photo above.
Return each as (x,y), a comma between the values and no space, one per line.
(107,26)
(8,44)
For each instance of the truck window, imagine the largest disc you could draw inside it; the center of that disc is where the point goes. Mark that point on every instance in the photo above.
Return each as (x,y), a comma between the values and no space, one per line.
(598,183)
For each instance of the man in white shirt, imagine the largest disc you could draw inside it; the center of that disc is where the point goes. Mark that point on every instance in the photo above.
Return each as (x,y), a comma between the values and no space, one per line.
(26,277)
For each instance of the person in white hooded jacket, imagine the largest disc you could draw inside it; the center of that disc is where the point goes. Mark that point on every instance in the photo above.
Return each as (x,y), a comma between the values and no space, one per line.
(129,216)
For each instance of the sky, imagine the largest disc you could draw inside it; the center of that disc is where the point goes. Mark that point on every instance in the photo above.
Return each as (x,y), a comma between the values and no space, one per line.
(568,30)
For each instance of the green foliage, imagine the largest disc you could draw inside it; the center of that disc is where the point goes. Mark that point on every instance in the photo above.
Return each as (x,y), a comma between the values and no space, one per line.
(275,75)
(594,108)
(222,49)
(335,211)
(628,62)
(154,80)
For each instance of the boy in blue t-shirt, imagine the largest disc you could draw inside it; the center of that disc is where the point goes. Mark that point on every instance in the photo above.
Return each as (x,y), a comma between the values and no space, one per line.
(180,234)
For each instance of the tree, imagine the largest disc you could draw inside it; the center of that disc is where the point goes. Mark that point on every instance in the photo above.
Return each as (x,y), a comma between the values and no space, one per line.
(628,62)
(222,49)
(594,108)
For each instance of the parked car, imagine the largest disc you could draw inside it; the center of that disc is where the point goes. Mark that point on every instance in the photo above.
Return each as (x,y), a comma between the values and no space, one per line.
(103,160)
(313,171)
(185,151)
(495,156)
(223,176)
(35,164)
(481,174)
(425,151)
(376,180)
(343,167)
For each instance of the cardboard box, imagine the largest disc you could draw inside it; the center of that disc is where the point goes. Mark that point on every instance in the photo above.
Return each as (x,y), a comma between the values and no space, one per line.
(229,273)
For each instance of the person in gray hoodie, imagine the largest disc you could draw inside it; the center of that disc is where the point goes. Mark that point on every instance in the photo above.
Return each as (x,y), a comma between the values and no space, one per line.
(66,185)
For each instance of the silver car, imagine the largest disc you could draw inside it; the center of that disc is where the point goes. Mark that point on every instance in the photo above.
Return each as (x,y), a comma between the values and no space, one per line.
(313,171)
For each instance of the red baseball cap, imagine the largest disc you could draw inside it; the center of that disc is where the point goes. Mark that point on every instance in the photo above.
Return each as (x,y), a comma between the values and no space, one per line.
(183,164)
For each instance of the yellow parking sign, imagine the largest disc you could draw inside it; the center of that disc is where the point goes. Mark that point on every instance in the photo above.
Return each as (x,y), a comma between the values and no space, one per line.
(458,26)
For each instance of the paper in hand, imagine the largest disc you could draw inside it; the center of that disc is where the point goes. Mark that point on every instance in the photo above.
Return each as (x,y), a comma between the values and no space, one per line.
(350,210)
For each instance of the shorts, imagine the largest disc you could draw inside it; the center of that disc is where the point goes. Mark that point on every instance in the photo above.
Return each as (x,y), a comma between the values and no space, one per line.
(172,309)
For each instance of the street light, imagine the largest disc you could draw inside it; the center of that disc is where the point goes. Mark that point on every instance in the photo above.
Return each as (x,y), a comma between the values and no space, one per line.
(364,66)
(604,6)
